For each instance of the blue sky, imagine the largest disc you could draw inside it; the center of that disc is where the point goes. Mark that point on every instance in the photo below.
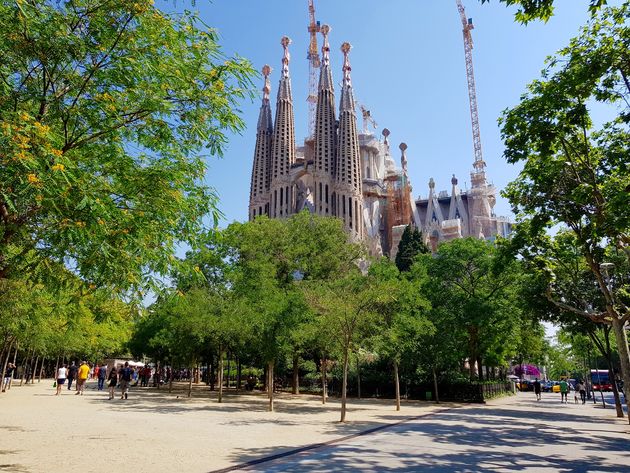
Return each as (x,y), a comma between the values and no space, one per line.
(407,68)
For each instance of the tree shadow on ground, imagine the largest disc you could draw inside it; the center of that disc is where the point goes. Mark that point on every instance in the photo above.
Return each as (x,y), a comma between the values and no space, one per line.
(464,440)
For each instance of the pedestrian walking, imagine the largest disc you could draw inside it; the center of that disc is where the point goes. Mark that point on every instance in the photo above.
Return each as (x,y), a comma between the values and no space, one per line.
(62,374)
(72,374)
(582,390)
(537,389)
(102,375)
(125,379)
(8,374)
(82,376)
(112,381)
(564,392)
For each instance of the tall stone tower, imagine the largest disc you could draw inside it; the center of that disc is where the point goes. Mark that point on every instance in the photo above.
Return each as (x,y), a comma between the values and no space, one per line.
(325,135)
(348,181)
(283,147)
(259,189)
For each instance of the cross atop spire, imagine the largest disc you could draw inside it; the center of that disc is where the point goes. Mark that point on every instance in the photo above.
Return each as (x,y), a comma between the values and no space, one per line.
(285,41)
(266,71)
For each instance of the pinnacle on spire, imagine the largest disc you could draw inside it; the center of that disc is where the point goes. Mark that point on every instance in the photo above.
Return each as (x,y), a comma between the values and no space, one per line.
(266,71)
(403,157)
(264,118)
(345,49)
(386,134)
(347,97)
(284,89)
(285,41)
(325,30)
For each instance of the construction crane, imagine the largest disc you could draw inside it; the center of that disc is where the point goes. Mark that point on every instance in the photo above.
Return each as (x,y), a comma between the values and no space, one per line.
(467,26)
(367,120)
(313,65)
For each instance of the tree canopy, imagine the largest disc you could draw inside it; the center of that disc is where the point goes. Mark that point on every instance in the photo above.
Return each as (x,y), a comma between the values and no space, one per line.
(107,107)
(529,10)
(575,171)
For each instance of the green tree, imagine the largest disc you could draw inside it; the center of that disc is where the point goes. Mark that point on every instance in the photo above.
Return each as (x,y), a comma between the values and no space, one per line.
(529,10)
(403,317)
(574,173)
(411,245)
(107,106)
(473,287)
(271,258)
(350,307)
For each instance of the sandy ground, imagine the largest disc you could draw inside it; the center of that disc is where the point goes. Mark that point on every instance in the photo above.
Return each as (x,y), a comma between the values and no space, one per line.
(154,431)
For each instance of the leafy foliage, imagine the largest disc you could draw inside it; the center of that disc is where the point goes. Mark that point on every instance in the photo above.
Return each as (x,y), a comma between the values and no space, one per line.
(411,244)
(541,9)
(106,108)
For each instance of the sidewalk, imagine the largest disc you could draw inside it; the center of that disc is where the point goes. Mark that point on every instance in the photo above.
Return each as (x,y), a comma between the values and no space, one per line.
(506,435)
(154,431)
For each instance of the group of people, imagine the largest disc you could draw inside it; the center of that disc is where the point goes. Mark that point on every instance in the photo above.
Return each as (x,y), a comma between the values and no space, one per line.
(565,389)
(71,373)
(121,376)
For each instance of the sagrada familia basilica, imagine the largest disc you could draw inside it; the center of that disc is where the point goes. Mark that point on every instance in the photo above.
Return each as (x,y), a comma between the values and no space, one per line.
(350,174)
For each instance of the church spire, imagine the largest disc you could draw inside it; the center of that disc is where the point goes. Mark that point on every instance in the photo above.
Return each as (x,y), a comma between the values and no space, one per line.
(325,134)
(348,167)
(283,148)
(259,189)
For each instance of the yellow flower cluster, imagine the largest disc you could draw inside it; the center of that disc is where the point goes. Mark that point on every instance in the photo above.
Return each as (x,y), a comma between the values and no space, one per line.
(33,179)
(80,224)
(56,152)
(58,167)
(43,129)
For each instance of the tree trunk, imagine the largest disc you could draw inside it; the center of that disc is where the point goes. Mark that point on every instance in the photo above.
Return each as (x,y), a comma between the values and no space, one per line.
(26,364)
(239,377)
(296,374)
(34,372)
(344,384)
(227,381)
(17,346)
(480,368)
(435,386)
(211,375)
(624,358)
(220,376)
(397,385)
(41,370)
(270,384)
(56,367)
(6,362)
(324,381)
(190,379)
(358,377)
(611,370)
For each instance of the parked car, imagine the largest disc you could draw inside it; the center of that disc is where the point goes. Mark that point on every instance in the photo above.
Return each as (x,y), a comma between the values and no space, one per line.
(547,386)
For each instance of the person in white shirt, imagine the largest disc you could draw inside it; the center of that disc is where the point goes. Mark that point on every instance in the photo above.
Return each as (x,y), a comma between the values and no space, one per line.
(62,374)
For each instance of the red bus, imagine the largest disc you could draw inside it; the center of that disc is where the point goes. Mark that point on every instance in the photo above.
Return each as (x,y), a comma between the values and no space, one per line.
(600,380)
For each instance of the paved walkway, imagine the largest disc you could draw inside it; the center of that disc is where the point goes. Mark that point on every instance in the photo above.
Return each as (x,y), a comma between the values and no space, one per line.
(513,434)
